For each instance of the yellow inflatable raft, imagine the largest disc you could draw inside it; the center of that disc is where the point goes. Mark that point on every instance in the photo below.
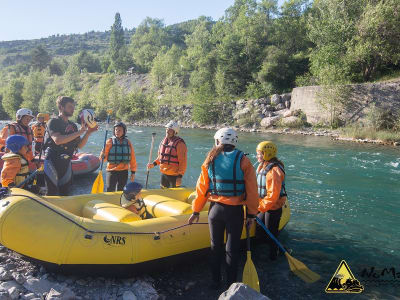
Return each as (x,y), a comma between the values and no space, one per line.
(95,230)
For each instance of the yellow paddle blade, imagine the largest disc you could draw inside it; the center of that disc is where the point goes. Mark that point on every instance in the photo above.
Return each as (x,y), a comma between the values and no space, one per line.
(250,276)
(98,184)
(301,270)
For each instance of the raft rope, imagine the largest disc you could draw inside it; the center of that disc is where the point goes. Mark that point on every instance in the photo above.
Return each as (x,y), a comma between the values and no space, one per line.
(89,231)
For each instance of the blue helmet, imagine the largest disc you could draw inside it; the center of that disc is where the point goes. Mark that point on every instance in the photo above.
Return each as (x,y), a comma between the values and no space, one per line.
(132,189)
(16,142)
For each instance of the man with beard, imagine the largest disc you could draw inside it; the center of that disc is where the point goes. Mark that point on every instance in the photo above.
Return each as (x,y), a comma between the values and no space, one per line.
(62,139)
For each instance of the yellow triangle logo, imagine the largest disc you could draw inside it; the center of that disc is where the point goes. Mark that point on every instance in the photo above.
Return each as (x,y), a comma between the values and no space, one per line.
(343,281)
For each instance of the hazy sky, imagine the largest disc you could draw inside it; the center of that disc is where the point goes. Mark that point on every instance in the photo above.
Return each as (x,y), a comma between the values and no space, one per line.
(31,19)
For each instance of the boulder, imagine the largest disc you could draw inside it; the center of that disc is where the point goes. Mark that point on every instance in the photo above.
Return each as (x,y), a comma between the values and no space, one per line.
(144,290)
(4,295)
(240,291)
(269,121)
(287,114)
(128,295)
(290,121)
(265,101)
(286,97)
(14,293)
(18,277)
(5,275)
(40,286)
(275,99)
(241,113)
(280,106)
(29,296)
(6,285)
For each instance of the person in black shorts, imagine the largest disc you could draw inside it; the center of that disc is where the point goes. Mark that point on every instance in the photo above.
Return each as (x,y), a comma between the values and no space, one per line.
(62,139)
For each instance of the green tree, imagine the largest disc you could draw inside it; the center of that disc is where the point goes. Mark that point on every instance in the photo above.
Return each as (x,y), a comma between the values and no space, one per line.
(149,38)
(331,27)
(52,91)
(86,61)
(33,91)
(376,43)
(118,51)
(13,97)
(40,58)
(166,68)
(72,79)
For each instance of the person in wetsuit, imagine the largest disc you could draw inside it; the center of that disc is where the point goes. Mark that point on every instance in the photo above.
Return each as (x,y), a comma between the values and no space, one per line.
(62,139)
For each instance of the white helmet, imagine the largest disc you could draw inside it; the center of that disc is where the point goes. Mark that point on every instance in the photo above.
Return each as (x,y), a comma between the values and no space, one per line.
(226,136)
(23,112)
(173,125)
(87,116)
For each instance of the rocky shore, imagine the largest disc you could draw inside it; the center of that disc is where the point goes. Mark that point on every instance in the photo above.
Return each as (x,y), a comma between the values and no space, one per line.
(25,280)
(266,115)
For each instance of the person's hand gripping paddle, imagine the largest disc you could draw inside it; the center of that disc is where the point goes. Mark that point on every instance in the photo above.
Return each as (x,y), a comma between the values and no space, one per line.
(153,135)
(98,185)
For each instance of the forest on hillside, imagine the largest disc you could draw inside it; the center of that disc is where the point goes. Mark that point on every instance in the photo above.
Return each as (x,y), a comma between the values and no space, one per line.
(255,50)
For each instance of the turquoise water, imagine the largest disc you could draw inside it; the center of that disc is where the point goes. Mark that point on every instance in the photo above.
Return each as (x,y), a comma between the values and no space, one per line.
(345,198)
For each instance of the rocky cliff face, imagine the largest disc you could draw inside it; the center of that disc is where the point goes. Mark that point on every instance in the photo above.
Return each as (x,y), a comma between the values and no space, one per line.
(360,98)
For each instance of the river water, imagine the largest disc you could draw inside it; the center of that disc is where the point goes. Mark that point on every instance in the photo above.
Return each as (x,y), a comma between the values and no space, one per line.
(345,200)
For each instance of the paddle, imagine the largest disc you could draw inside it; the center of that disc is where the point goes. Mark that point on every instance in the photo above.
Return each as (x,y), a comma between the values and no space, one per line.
(296,266)
(150,155)
(98,184)
(27,179)
(250,276)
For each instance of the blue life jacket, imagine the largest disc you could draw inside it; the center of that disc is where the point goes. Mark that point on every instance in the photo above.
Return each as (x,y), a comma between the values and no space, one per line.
(226,176)
(119,152)
(262,177)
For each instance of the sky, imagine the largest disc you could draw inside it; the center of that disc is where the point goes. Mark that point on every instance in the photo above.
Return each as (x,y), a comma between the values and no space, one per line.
(32,19)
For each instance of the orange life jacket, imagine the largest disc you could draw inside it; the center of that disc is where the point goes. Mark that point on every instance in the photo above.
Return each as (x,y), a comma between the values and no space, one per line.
(39,130)
(168,151)
(18,129)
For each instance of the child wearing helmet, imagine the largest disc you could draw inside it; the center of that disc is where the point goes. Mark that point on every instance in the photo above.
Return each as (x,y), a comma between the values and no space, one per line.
(21,127)
(271,190)
(172,157)
(120,155)
(16,168)
(131,199)
(228,181)
(38,130)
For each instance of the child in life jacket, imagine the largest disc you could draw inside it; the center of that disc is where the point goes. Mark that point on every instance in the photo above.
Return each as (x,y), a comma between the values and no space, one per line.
(131,199)
(271,190)
(15,168)
(120,155)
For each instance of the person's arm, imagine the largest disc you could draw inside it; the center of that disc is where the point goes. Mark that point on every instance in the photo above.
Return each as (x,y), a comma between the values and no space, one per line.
(250,181)
(60,139)
(181,150)
(104,153)
(202,187)
(10,170)
(274,185)
(157,161)
(85,138)
(132,163)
